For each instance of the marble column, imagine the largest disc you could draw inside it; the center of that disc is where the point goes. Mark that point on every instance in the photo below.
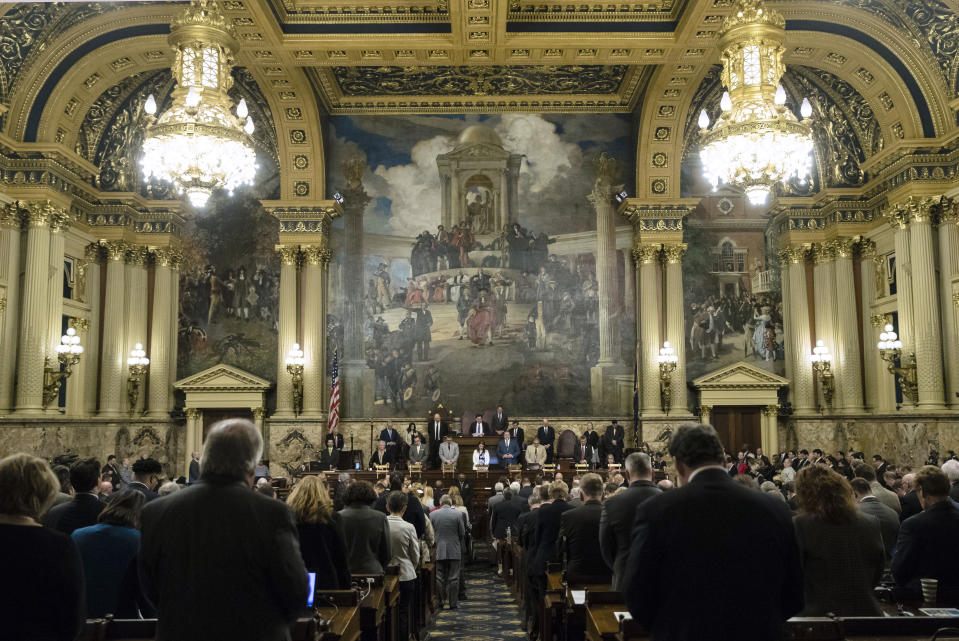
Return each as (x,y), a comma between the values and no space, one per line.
(160,352)
(258,415)
(885,383)
(113,351)
(607,273)
(286,334)
(10,223)
(787,326)
(770,428)
(870,356)
(804,402)
(949,269)
(194,437)
(137,302)
(54,304)
(315,261)
(353,360)
(927,336)
(629,288)
(676,322)
(31,352)
(174,336)
(824,296)
(846,331)
(89,286)
(899,219)
(647,257)
(704,414)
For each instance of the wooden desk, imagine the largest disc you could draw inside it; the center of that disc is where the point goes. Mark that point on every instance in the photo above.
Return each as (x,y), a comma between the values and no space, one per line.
(601,625)
(391,585)
(372,615)
(553,604)
(467,444)
(889,628)
(344,623)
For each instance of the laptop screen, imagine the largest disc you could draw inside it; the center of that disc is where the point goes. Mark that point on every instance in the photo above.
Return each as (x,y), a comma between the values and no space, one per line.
(309,598)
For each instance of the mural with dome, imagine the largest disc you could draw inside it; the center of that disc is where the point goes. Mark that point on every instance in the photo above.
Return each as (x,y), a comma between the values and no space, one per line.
(477,249)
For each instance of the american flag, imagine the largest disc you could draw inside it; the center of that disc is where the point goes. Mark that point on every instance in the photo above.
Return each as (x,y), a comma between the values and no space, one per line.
(335,392)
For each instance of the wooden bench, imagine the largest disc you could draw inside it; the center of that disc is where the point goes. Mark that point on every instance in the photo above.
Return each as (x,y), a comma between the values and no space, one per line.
(340,610)
(889,628)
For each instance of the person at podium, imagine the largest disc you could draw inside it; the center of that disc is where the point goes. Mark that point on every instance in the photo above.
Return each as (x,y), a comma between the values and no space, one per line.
(382,456)
(480,456)
(479,427)
(329,457)
(507,450)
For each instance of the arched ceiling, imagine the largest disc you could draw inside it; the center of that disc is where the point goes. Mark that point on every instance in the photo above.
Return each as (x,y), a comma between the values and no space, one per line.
(894,58)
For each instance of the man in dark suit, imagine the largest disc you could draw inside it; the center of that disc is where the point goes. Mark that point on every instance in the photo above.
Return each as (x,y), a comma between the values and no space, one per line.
(613,441)
(583,451)
(507,450)
(547,436)
(418,453)
(240,554)
(479,427)
(677,574)
(436,430)
(881,467)
(330,456)
(505,514)
(867,503)
(579,531)
(543,542)
(500,421)
(338,442)
(926,548)
(392,439)
(112,468)
(194,471)
(146,477)
(84,508)
(908,501)
(616,521)
(466,491)
(526,489)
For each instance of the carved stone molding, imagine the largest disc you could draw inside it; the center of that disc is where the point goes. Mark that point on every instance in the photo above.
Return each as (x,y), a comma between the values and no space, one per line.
(289,254)
(646,253)
(674,253)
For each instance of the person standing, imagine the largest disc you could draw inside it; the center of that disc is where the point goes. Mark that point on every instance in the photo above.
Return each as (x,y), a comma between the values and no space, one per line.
(322,540)
(392,439)
(613,441)
(479,427)
(867,503)
(547,436)
(112,471)
(406,554)
(449,531)
(667,587)
(330,456)
(418,452)
(83,510)
(500,421)
(583,452)
(366,530)
(146,477)
(437,431)
(579,531)
(535,455)
(507,450)
(449,452)
(194,471)
(192,573)
(616,519)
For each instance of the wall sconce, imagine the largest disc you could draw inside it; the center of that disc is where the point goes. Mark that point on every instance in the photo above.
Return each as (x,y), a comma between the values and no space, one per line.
(890,350)
(294,365)
(667,364)
(822,370)
(68,355)
(138,363)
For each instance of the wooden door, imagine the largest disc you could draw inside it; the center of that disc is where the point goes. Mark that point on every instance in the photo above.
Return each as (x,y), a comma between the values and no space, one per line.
(737,426)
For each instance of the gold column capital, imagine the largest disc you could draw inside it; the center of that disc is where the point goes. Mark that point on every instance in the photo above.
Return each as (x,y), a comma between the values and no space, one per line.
(866,248)
(92,252)
(193,413)
(116,249)
(258,413)
(136,255)
(948,211)
(770,410)
(289,254)
(673,253)
(43,213)
(791,254)
(844,247)
(10,216)
(879,320)
(646,252)
(917,209)
(317,254)
(167,257)
(824,252)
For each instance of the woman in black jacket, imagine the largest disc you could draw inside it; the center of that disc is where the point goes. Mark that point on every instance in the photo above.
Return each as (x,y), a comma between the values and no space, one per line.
(322,542)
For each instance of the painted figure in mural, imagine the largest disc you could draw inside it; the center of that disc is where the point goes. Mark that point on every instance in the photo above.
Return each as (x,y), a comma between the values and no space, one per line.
(463,308)
(482,320)
(431,387)
(423,332)
(384,293)
(216,293)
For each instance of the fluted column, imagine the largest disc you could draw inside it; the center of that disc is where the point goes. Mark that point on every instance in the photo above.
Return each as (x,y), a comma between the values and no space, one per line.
(899,219)
(824,296)
(885,384)
(315,262)
(647,257)
(136,307)
(10,223)
(54,324)
(676,322)
(870,357)
(846,330)
(607,274)
(31,352)
(113,351)
(629,286)
(89,292)
(194,437)
(949,269)
(799,339)
(286,334)
(160,363)
(174,336)
(927,333)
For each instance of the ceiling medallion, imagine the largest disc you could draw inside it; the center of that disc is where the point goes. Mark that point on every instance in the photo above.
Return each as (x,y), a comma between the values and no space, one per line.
(198,144)
(757,142)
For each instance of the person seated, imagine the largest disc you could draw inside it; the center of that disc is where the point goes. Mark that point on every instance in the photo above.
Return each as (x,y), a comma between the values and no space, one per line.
(46,601)
(382,456)
(507,450)
(449,451)
(479,427)
(322,540)
(535,455)
(419,453)
(85,507)
(329,456)
(583,452)
(926,545)
(480,456)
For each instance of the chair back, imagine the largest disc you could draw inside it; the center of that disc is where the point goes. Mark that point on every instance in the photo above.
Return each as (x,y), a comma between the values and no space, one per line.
(384,469)
(515,471)
(482,471)
(449,469)
(416,470)
(581,468)
(614,467)
(566,444)
(548,469)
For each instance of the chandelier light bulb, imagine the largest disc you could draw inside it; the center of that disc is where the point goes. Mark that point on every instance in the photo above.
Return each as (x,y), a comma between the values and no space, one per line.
(150,106)
(248,127)
(192,97)
(703,119)
(806,109)
(780,95)
(241,110)
(726,102)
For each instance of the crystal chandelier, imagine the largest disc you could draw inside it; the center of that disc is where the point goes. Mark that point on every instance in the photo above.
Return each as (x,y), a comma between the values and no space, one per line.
(199,144)
(757,141)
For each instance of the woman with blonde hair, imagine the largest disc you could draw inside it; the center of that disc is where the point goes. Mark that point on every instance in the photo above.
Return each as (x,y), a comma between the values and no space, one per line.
(427,498)
(46,598)
(322,541)
(840,548)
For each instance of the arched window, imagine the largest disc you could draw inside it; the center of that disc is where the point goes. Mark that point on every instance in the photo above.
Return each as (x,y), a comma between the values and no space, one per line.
(727,257)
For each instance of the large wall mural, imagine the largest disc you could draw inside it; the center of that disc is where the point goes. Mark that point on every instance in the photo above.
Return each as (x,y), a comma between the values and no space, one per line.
(465,264)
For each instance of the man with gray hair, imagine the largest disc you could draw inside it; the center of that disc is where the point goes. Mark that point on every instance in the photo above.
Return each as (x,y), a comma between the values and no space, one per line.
(616,517)
(951,469)
(219,560)
(449,531)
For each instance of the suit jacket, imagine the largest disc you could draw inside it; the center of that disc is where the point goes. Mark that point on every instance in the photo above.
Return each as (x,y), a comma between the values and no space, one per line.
(499,423)
(431,433)
(614,433)
(535,455)
(386,458)
(114,471)
(337,441)
(391,436)
(448,529)
(841,564)
(487,430)
(518,435)
(592,438)
(329,459)
(504,516)
(418,453)
(910,507)
(616,524)
(547,534)
(449,452)
(547,435)
(579,541)
(194,472)
(578,452)
(926,547)
(888,522)
(244,543)
(323,546)
(414,514)
(367,539)
(502,449)
(670,544)
(80,512)
(144,490)
(526,492)
(954,491)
